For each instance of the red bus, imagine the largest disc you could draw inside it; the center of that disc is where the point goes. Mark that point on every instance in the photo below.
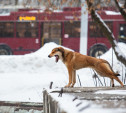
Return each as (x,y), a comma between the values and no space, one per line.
(26,31)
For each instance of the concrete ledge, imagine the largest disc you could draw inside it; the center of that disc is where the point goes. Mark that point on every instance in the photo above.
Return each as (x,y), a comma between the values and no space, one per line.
(20,107)
(84,99)
(50,105)
(88,89)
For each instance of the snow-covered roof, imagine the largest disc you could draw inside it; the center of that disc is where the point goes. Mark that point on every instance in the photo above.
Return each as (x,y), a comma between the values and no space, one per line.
(36,11)
(4,14)
(112,13)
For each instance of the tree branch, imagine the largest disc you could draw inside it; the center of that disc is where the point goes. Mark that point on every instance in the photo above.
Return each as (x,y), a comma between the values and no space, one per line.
(121,57)
(123,13)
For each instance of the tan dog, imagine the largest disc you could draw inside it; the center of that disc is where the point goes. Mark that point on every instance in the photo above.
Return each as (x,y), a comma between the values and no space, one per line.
(75,61)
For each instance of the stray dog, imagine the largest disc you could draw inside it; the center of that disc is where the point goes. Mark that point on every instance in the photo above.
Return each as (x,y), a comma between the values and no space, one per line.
(75,61)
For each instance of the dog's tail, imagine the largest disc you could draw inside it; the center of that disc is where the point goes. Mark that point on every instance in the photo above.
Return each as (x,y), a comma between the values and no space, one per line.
(118,74)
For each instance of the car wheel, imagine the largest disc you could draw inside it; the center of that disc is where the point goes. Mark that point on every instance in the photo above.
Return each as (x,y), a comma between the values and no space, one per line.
(5,50)
(97,50)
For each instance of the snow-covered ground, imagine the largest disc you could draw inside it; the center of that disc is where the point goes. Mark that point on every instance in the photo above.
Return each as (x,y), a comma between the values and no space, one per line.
(23,77)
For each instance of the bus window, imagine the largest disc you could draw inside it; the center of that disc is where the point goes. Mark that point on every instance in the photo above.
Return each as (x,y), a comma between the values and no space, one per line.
(1,29)
(6,29)
(55,30)
(52,30)
(72,29)
(95,30)
(122,31)
(27,29)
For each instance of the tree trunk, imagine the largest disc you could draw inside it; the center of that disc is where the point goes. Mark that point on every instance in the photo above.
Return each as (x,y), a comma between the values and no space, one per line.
(120,56)
(16,2)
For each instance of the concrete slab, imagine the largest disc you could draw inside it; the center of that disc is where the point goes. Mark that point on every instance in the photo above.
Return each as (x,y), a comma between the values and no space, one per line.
(107,98)
(20,107)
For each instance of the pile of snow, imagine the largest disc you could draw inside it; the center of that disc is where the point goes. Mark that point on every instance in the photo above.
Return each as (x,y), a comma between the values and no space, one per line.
(23,77)
(111,58)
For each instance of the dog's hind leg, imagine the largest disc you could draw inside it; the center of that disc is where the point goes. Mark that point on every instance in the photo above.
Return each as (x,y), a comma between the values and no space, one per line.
(73,77)
(70,76)
(117,79)
(112,82)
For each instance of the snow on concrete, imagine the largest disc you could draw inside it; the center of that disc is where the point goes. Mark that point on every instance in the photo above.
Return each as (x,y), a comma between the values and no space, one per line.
(66,103)
(82,106)
(118,92)
(23,77)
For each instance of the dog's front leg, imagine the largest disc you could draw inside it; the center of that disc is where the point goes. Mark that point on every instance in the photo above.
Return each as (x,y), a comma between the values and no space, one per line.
(70,76)
(73,78)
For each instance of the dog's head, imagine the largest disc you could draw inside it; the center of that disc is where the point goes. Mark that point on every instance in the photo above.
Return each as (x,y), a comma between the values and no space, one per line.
(58,53)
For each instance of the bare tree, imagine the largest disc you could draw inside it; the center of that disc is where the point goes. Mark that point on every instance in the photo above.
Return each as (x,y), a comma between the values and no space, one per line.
(16,2)
(107,32)
(122,8)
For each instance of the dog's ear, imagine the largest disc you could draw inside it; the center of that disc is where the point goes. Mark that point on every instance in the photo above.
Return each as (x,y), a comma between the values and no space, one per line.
(62,51)
(57,49)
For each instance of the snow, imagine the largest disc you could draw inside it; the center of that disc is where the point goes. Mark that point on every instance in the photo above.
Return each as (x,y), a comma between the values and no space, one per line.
(66,103)
(42,10)
(36,11)
(119,92)
(23,77)
(4,14)
(108,56)
(112,13)
(117,49)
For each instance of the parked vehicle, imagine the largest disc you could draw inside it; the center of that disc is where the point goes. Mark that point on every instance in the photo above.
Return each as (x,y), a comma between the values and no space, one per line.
(26,31)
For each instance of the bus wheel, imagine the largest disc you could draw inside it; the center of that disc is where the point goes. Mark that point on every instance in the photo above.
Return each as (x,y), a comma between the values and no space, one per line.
(97,50)
(5,50)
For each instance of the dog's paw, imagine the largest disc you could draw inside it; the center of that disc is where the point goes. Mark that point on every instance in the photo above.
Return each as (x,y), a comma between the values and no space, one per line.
(72,86)
(67,86)
(122,86)
(113,85)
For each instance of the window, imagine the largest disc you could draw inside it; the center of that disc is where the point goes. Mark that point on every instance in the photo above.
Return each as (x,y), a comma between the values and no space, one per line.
(52,30)
(122,31)
(72,29)
(27,29)
(95,30)
(6,29)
